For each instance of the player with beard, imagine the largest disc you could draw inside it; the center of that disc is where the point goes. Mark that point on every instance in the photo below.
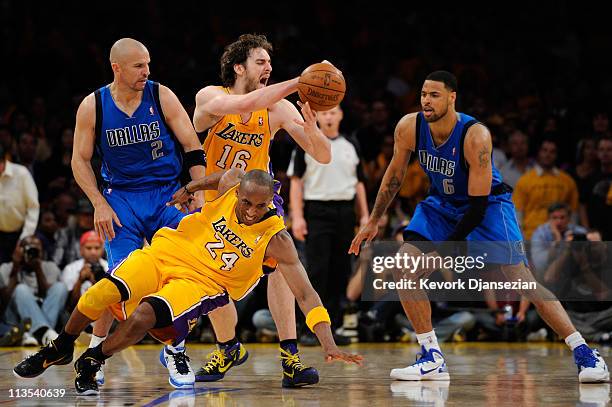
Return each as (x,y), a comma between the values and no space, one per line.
(467,201)
(241,118)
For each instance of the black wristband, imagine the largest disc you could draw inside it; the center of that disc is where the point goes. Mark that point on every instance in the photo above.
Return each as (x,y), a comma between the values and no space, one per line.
(193,158)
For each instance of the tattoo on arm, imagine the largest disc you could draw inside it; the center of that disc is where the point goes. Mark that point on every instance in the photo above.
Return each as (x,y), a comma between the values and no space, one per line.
(385,196)
(483,157)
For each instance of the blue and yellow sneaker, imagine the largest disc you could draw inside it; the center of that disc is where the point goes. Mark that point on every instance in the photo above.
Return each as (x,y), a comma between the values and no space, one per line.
(295,374)
(591,366)
(220,361)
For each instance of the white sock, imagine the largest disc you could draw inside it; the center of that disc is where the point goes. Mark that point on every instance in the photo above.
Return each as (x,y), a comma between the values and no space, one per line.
(429,340)
(574,340)
(96,340)
(178,348)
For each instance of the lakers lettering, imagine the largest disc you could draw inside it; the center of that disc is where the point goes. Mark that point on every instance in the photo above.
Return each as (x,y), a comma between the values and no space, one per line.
(231,237)
(436,164)
(133,134)
(249,139)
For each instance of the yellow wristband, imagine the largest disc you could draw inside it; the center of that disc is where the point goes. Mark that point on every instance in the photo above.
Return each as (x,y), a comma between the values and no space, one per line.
(316,315)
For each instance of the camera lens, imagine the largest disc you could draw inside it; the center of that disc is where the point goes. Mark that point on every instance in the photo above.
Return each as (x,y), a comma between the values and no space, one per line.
(31,253)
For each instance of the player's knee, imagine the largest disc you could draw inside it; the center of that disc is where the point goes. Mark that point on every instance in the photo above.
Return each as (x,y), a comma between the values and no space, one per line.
(97,298)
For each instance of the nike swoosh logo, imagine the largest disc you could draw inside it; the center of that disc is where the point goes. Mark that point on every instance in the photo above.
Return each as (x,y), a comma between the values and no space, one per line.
(429,371)
(225,368)
(288,375)
(47,364)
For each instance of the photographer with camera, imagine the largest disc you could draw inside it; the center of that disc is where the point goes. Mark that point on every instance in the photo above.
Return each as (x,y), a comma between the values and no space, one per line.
(86,271)
(579,274)
(547,240)
(32,289)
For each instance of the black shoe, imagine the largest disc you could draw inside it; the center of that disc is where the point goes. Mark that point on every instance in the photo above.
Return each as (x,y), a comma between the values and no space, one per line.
(295,374)
(220,361)
(38,362)
(86,368)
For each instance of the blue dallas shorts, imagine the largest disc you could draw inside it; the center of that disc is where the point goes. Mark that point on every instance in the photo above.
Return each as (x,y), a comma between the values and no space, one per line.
(435,218)
(141,213)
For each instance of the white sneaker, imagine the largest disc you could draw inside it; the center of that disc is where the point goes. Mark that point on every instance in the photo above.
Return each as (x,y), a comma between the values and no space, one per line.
(49,336)
(595,394)
(591,366)
(100,376)
(29,340)
(430,365)
(179,369)
(182,398)
(424,392)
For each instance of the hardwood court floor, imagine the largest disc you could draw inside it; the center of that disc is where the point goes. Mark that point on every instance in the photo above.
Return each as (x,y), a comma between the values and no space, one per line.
(482,374)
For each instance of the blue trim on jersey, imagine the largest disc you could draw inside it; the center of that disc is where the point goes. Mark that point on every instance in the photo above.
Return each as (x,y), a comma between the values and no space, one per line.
(139,152)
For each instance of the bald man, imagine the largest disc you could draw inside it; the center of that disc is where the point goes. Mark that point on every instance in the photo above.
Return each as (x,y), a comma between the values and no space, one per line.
(132,123)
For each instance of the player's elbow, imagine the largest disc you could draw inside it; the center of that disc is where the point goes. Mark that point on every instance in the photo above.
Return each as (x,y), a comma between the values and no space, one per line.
(75,162)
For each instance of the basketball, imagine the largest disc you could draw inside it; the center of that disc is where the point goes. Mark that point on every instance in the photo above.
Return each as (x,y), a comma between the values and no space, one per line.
(322,86)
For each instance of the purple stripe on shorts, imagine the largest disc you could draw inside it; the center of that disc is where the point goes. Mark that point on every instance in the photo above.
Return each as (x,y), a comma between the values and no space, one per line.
(277,200)
(182,324)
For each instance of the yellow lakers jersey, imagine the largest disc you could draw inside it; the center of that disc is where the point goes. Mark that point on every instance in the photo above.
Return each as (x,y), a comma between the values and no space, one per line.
(216,246)
(230,143)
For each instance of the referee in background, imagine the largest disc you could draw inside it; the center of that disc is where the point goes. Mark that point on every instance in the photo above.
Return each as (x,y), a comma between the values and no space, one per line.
(324,200)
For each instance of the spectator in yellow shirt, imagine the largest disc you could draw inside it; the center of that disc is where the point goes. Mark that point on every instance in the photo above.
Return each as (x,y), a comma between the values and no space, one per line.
(540,187)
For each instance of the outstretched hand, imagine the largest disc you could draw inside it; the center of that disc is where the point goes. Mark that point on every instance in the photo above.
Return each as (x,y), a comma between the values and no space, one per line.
(367,233)
(337,354)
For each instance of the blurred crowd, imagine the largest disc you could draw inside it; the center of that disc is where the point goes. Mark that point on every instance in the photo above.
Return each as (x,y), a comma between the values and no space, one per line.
(543,102)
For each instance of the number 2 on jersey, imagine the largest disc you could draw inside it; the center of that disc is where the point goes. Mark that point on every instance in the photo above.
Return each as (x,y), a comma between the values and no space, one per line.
(229,258)
(156,146)
(240,159)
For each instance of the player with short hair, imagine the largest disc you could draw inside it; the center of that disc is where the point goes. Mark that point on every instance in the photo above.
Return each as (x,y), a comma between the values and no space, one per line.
(241,118)
(138,127)
(468,201)
(212,256)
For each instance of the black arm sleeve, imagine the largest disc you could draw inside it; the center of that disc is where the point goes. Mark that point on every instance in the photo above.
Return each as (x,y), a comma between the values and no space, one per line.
(299,163)
(472,218)
(355,143)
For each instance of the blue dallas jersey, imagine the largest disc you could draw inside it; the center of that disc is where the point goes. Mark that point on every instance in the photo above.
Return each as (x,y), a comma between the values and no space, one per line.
(445,165)
(138,152)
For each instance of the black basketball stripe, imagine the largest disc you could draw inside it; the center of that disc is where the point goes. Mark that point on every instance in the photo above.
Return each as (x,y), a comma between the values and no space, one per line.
(318,70)
(321,87)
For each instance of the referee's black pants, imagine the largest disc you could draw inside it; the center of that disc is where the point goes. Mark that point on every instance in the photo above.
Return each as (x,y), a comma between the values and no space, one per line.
(331,226)
(8,242)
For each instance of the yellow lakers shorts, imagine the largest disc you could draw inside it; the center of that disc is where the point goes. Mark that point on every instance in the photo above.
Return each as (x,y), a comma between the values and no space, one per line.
(177,293)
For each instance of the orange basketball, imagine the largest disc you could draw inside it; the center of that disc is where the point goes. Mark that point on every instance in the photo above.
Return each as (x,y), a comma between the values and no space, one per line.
(322,86)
